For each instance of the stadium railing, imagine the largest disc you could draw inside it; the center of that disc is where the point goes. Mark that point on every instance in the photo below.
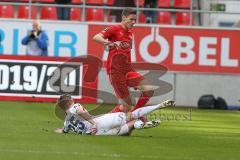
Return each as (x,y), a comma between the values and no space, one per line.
(179,15)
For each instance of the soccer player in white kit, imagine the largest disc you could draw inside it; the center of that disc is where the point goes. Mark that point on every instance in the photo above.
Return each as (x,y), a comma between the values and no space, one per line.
(80,121)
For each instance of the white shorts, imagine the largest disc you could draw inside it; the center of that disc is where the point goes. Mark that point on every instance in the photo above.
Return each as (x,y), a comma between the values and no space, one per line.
(110,124)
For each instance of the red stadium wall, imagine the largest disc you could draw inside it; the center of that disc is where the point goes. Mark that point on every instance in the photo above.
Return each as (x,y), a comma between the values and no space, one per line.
(181,49)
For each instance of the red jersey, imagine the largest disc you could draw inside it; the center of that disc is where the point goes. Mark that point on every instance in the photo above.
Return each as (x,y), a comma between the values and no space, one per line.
(118,33)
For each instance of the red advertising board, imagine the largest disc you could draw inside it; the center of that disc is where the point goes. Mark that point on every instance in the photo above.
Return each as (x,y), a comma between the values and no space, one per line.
(181,49)
(44,79)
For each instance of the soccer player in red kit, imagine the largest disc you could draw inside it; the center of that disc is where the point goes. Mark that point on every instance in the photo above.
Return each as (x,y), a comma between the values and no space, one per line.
(118,38)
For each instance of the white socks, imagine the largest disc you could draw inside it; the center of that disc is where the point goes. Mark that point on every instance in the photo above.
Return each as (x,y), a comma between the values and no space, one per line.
(144,110)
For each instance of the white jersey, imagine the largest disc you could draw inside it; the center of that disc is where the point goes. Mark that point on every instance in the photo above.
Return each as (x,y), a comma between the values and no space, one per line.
(73,122)
(107,124)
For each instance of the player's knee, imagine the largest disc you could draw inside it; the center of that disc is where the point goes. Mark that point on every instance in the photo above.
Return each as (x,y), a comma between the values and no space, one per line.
(148,89)
(148,93)
(127,104)
(126,108)
(124,130)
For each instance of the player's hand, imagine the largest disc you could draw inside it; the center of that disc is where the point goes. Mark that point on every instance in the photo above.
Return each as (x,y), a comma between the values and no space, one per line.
(59,130)
(111,45)
(94,129)
(35,33)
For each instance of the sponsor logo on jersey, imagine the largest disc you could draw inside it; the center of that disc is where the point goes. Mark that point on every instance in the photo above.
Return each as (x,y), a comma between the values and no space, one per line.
(105,30)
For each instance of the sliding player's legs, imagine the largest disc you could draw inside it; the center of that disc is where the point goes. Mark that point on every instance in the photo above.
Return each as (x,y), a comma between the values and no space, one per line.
(127,128)
(148,109)
(131,118)
(121,123)
(123,130)
(109,121)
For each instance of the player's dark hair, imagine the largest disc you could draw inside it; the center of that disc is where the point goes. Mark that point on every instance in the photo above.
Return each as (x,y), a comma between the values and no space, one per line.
(65,97)
(127,11)
(63,101)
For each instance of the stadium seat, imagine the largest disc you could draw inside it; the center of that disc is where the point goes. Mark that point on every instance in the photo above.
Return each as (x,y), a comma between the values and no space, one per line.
(76,1)
(23,0)
(47,1)
(110,2)
(141,18)
(23,12)
(182,3)
(6,11)
(48,13)
(76,14)
(93,14)
(182,18)
(26,1)
(110,17)
(164,3)
(141,3)
(164,18)
(100,2)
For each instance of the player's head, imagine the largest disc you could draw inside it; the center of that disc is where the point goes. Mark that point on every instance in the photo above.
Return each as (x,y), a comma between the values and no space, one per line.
(65,101)
(129,17)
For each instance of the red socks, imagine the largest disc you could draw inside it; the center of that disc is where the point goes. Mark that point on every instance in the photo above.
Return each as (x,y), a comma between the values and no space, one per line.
(144,98)
(118,108)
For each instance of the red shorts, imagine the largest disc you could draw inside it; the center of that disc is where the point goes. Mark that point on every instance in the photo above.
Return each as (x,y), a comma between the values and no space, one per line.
(122,76)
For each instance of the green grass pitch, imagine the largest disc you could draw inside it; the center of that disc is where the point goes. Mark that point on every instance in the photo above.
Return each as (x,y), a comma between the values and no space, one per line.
(27,133)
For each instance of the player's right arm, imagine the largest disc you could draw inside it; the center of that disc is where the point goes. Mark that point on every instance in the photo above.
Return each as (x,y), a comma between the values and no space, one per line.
(104,35)
(82,112)
(59,130)
(100,38)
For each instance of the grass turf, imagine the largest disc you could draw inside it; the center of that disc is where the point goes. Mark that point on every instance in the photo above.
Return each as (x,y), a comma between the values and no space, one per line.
(27,133)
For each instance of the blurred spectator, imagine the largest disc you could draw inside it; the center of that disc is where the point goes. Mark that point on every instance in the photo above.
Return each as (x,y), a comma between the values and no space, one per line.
(151,15)
(36,41)
(117,13)
(63,13)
